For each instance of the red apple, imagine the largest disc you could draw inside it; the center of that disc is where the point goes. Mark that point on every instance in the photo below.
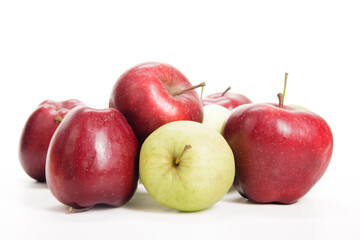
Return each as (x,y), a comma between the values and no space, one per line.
(37,134)
(153,94)
(280,152)
(92,159)
(226,99)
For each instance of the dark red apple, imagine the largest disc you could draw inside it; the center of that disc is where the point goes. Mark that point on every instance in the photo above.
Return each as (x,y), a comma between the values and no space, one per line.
(37,133)
(280,152)
(92,159)
(226,99)
(152,94)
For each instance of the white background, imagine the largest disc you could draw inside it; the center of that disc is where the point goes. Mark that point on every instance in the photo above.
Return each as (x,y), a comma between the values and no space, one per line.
(77,49)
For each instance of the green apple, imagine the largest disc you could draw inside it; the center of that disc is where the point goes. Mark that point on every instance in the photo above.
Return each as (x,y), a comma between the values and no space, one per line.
(186,166)
(215,116)
(298,107)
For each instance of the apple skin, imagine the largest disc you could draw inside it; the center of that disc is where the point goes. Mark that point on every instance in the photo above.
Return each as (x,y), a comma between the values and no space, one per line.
(203,176)
(215,116)
(93,159)
(228,100)
(145,95)
(280,153)
(37,133)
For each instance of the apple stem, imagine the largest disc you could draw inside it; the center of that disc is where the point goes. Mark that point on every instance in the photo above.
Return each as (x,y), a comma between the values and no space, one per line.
(281,96)
(188,89)
(202,91)
(79,210)
(226,91)
(285,82)
(281,100)
(178,159)
(59,119)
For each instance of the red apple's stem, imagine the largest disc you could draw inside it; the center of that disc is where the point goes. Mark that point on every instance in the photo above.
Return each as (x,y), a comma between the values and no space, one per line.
(178,159)
(281,100)
(79,210)
(202,91)
(281,96)
(285,82)
(188,89)
(59,119)
(226,91)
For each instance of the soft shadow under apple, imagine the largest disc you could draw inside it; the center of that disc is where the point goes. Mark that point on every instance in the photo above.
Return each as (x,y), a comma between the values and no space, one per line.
(237,199)
(37,185)
(142,201)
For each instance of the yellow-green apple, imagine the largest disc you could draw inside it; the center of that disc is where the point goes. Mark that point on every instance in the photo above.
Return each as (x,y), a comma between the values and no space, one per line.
(153,94)
(280,151)
(37,133)
(226,99)
(297,106)
(215,116)
(92,159)
(186,166)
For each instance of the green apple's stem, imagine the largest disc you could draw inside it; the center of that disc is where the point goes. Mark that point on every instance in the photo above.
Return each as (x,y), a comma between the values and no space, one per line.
(58,119)
(226,91)
(79,210)
(178,159)
(188,89)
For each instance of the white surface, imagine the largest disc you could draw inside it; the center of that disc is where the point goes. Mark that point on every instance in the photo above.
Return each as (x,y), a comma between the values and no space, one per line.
(72,49)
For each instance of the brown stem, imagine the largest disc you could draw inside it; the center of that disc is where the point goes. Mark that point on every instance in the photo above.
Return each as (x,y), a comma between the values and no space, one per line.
(226,91)
(79,210)
(188,89)
(178,159)
(281,100)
